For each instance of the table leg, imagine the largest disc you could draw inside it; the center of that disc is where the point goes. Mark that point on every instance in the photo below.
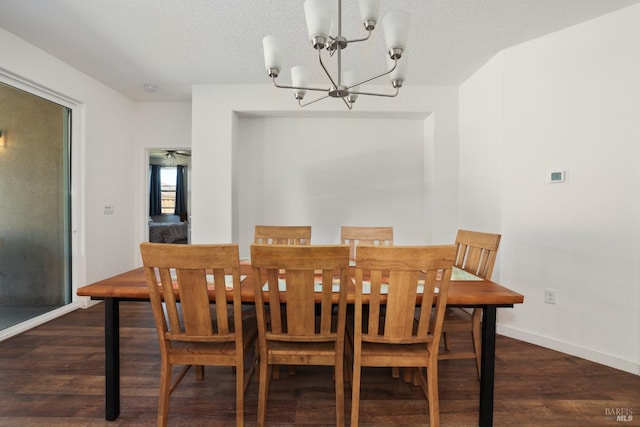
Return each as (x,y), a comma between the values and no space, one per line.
(112,357)
(487,365)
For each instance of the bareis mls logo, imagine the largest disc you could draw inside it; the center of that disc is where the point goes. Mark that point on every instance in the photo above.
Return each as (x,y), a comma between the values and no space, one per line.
(619,414)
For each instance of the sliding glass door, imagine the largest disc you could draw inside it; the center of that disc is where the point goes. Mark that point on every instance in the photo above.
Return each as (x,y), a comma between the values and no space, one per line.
(35,217)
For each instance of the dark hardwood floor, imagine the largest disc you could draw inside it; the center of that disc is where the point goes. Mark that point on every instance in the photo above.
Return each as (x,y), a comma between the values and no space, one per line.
(53,376)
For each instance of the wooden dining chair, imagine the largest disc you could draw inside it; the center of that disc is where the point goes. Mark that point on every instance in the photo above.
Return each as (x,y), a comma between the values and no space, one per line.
(361,235)
(183,278)
(475,253)
(295,235)
(298,277)
(353,236)
(398,275)
(282,234)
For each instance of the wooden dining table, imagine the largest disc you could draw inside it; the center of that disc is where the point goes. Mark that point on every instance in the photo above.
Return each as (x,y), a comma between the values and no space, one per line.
(132,286)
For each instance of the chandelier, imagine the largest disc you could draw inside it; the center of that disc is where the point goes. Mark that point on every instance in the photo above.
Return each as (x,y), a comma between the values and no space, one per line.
(322,16)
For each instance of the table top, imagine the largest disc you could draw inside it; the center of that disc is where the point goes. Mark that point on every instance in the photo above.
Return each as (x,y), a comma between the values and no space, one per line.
(132,285)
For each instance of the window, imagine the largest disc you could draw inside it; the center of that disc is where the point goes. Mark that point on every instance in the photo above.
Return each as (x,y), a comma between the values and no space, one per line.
(168,189)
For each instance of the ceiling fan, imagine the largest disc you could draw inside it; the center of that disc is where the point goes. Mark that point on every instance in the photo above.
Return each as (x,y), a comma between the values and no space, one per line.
(171,154)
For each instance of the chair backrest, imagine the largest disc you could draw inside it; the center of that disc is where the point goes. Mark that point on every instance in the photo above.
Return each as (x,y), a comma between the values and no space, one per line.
(354,236)
(297,277)
(476,252)
(193,273)
(282,234)
(401,273)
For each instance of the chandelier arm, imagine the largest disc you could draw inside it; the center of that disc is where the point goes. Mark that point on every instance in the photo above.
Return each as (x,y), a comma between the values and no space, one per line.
(297,87)
(376,77)
(360,40)
(386,95)
(325,68)
(311,102)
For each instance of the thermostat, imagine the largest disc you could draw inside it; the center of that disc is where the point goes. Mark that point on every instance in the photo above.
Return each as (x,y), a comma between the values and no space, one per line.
(556,176)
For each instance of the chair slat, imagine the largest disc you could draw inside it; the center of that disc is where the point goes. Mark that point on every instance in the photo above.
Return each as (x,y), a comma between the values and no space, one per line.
(194,300)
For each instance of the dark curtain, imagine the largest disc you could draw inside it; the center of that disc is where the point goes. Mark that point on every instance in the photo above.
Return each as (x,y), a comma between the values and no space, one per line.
(155,201)
(181,202)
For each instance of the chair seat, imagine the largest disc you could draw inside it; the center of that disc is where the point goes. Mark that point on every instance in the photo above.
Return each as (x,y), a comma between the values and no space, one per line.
(457,320)
(406,355)
(212,353)
(302,353)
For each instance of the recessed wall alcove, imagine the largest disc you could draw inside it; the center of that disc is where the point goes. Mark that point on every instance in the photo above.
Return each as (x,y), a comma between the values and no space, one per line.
(328,170)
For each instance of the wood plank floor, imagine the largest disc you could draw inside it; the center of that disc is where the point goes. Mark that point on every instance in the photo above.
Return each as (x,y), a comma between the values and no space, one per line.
(53,376)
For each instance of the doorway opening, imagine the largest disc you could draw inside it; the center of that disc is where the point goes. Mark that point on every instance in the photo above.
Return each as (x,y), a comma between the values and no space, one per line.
(169,195)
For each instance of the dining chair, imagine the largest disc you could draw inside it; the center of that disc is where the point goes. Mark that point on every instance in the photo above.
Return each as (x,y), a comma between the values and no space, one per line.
(475,253)
(298,277)
(353,236)
(394,278)
(282,234)
(191,331)
(362,235)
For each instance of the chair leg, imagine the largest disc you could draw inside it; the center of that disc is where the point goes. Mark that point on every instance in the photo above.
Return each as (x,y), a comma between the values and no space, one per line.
(355,392)
(240,396)
(446,343)
(165,391)
(407,375)
(263,390)
(416,377)
(339,373)
(199,372)
(432,391)
(476,336)
(256,361)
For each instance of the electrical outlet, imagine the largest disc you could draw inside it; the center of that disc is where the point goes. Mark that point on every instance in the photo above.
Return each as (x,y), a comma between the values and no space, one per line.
(550,296)
(108,209)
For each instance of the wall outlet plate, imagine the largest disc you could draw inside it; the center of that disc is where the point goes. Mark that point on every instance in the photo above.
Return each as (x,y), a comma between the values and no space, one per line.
(550,296)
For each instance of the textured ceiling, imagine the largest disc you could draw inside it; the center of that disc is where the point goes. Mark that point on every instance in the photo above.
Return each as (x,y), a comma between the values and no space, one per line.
(177,43)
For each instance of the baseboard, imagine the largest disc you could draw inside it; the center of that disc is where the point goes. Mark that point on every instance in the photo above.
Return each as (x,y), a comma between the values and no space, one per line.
(39,320)
(573,350)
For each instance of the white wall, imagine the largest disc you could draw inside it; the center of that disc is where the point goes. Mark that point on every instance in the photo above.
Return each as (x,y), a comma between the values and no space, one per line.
(570,100)
(481,142)
(331,172)
(103,152)
(232,122)
(164,125)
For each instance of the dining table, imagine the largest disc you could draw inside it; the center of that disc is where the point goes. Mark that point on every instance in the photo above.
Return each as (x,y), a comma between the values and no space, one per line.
(465,290)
